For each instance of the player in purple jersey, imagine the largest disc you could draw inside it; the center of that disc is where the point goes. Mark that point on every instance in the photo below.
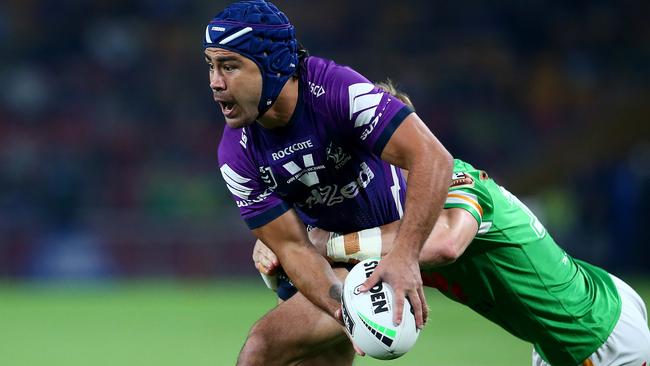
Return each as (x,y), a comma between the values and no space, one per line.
(310,142)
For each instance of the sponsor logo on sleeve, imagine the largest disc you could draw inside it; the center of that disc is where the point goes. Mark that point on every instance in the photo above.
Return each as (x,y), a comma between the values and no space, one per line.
(317,90)
(461,180)
(364,103)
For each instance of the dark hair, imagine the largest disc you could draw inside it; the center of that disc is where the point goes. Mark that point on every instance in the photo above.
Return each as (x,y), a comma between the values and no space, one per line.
(303,53)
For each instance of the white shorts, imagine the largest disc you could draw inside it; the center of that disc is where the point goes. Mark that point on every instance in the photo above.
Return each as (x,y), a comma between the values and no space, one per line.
(629,343)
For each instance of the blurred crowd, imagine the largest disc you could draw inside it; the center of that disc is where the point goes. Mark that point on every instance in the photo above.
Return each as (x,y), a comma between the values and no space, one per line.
(108,133)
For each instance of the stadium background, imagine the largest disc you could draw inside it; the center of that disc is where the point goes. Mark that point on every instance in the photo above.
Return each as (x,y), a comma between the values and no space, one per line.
(120,245)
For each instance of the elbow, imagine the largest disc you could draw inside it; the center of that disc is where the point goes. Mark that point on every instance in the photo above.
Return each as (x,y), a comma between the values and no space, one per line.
(449,254)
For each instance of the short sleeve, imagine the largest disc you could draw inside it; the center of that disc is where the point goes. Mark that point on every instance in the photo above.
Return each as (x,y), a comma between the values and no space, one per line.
(367,113)
(252,187)
(468,192)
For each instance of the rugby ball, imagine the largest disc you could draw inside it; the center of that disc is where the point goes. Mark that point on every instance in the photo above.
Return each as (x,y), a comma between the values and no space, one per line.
(368,316)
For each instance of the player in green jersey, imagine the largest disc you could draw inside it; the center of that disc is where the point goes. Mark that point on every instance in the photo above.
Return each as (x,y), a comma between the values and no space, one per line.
(489,252)
(514,274)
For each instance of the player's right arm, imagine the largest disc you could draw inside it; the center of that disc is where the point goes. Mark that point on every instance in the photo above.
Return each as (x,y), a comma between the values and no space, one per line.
(275,222)
(310,272)
(452,234)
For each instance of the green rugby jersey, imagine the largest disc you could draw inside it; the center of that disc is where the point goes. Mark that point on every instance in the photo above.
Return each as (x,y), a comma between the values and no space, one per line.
(514,274)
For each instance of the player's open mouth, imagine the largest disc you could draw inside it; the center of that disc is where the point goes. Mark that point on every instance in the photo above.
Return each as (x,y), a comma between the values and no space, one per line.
(227,108)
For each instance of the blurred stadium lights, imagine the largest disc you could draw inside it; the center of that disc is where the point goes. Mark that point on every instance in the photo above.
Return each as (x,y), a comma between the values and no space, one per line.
(108,134)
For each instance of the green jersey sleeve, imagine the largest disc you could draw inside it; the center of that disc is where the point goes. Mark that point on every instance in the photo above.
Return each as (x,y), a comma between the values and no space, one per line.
(469,192)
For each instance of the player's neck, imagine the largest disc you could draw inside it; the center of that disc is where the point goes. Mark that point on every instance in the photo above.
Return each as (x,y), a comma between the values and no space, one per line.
(281,111)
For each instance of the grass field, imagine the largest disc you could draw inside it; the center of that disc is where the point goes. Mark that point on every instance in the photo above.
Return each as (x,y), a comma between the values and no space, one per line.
(203,324)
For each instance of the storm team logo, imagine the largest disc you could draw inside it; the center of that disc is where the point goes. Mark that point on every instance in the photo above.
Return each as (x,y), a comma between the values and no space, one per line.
(337,155)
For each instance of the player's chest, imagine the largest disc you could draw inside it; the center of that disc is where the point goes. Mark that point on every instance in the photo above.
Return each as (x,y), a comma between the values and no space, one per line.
(297,164)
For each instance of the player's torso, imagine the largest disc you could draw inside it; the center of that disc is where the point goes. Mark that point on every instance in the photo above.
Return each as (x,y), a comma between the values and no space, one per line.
(333,183)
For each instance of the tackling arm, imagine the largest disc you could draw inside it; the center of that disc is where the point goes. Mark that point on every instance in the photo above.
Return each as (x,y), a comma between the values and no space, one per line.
(452,234)
(310,272)
(454,231)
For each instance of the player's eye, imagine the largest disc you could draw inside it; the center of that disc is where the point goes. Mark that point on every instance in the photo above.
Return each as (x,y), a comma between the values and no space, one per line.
(228,68)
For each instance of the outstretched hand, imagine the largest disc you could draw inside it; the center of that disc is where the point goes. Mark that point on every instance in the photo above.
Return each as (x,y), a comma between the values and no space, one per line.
(403,275)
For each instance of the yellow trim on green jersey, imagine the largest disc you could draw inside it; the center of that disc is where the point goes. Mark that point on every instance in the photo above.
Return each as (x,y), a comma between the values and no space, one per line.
(467,201)
(515,275)
(468,192)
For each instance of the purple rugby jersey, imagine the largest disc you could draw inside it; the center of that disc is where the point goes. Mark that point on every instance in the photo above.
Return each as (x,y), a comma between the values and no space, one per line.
(326,161)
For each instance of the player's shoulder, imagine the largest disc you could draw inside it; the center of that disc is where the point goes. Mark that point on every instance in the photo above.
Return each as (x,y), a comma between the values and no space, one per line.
(465,174)
(319,68)
(463,166)
(323,74)
(469,190)
(339,91)
(469,179)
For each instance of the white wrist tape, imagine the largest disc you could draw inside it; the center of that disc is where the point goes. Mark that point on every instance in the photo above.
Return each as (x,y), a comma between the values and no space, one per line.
(271,281)
(354,247)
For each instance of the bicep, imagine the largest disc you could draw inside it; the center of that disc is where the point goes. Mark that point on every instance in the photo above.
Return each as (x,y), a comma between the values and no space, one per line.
(456,225)
(411,139)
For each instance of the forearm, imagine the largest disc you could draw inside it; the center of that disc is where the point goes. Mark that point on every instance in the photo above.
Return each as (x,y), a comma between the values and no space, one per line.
(311,274)
(425,196)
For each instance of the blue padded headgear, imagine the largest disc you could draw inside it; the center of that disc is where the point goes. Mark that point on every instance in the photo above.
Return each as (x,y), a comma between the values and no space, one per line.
(259,31)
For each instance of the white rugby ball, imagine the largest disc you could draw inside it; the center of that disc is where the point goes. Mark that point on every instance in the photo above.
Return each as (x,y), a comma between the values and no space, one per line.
(368,316)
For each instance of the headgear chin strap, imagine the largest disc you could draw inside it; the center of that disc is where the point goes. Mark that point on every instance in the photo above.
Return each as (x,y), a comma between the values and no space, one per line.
(259,31)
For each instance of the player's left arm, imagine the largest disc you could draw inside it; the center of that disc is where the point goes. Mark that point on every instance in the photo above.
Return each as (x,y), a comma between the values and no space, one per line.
(414,147)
